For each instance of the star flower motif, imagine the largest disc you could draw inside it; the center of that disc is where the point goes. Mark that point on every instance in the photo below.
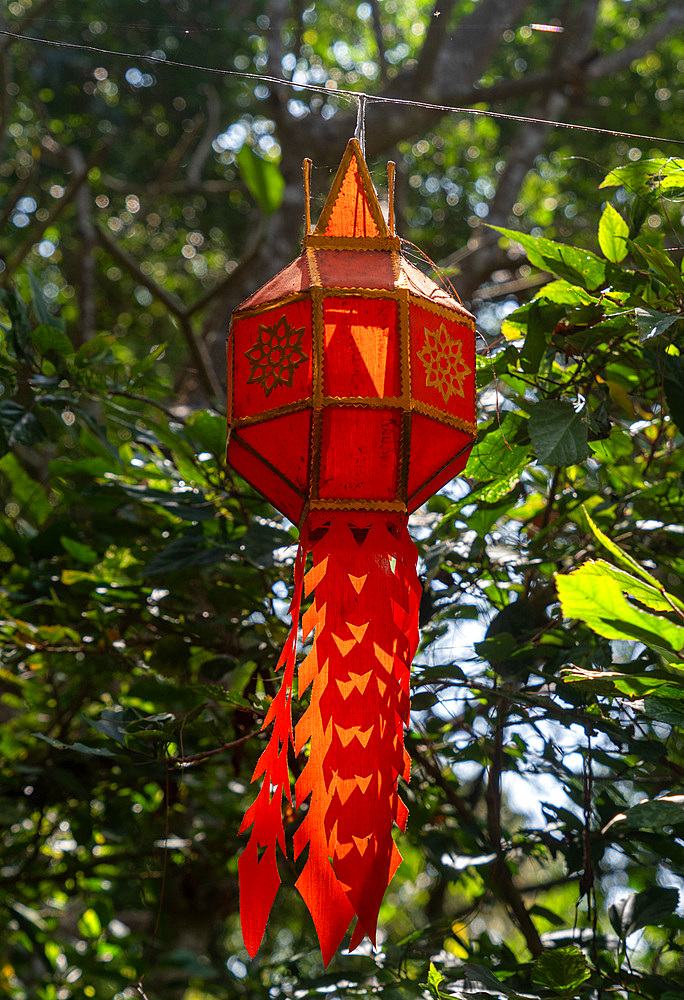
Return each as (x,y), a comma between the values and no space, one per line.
(275,355)
(445,368)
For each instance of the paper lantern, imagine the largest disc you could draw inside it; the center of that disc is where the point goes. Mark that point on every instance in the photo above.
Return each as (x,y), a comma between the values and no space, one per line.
(351,401)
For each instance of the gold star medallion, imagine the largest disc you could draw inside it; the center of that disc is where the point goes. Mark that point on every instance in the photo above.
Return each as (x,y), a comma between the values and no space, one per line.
(442,358)
(275,355)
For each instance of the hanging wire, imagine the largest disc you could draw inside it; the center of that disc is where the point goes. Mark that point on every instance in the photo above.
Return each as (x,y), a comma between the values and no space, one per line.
(354,95)
(360,131)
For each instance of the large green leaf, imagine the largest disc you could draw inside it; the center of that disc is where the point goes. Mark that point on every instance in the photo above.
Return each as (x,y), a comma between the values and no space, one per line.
(652,323)
(263,178)
(579,267)
(641,909)
(595,595)
(642,174)
(558,433)
(563,969)
(627,560)
(613,232)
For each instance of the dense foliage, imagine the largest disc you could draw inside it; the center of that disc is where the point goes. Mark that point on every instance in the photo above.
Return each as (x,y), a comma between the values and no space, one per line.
(142,585)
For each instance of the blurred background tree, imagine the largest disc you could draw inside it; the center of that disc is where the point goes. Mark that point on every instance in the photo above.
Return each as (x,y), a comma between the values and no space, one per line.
(142,585)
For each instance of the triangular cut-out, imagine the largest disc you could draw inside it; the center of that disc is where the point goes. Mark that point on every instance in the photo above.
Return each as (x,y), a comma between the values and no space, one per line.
(352,208)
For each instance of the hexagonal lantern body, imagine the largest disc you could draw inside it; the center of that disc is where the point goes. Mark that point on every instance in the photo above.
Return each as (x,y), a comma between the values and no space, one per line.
(351,374)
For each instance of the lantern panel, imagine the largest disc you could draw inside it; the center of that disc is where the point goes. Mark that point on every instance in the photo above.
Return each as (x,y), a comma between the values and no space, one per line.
(359,456)
(442,363)
(278,490)
(438,453)
(354,269)
(272,358)
(283,442)
(361,355)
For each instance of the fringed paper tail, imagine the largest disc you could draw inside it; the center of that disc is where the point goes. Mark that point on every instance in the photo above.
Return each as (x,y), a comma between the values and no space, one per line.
(365,617)
(258,867)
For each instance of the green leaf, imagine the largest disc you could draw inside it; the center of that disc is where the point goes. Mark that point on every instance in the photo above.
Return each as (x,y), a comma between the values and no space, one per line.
(652,323)
(579,267)
(664,709)
(47,338)
(563,969)
(263,179)
(435,977)
(78,550)
(642,175)
(673,384)
(650,907)
(558,433)
(593,595)
(624,558)
(538,335)
(497,455)
(479,975)
(657,260)
(209,429)
(89,924)
(655,814)
(563,293)
(613,233)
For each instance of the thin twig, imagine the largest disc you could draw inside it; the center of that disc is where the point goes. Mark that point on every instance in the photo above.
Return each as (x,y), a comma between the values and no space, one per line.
(197,757)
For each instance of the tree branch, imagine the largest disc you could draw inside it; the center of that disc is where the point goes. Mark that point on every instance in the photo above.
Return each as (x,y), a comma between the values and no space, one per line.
(502,880)
(211,129)
(615,62)
(379,41)
(86,259)
(196,347)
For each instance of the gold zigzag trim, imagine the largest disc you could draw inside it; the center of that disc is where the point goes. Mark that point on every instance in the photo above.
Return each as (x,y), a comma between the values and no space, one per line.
(359,403)
(427,410)
(396,294)
(397,506)
(277,411)
(276,304)
(377,243)
(446,312)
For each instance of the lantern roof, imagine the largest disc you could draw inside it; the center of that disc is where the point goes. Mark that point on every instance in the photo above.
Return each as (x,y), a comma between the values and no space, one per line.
(335,252)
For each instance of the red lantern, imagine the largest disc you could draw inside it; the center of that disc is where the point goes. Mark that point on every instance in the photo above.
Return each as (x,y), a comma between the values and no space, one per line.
(351,401)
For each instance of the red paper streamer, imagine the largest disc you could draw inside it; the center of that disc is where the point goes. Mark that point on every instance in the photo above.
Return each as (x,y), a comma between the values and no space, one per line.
(364,618)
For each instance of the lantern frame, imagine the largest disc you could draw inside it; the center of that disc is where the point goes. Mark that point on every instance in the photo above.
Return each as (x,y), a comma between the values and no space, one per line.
(332,272)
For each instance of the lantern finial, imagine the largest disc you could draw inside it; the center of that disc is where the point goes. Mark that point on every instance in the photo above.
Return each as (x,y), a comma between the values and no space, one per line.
(352,210)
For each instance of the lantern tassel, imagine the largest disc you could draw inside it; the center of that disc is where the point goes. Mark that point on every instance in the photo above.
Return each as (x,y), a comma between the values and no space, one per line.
(258,867)
(364,617)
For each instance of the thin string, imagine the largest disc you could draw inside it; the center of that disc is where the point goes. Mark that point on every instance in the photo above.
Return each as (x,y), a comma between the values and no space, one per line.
(360,131)
(354,95)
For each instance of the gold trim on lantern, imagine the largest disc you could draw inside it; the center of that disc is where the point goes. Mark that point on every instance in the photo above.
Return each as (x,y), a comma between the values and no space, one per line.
(439,471)
(440,309)
(395,506)
(318,360)
(278,411)
(312,264)
(426,410)
(304,295)
(378,243)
